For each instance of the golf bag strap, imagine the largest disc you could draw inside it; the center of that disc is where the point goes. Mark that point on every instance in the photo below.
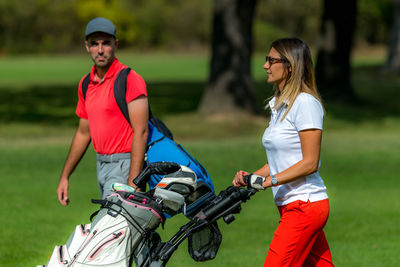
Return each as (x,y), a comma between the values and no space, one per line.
(108,204)
(85,85)
(119,90)
(154,142)
(94,214)
(120,87)
(101,202)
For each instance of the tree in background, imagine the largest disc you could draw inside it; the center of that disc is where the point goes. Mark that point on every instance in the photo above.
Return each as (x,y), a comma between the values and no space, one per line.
(285,18)
(393,60)
(333,70)
(230,84)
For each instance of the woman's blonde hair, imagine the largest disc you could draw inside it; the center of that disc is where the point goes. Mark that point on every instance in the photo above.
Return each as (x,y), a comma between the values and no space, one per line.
(299,71)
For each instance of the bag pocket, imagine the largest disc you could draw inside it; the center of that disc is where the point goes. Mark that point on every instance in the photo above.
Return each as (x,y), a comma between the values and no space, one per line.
(108,243)
(59,257)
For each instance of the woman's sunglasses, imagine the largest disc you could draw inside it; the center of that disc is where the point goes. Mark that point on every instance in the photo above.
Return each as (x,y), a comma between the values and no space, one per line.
(273,60)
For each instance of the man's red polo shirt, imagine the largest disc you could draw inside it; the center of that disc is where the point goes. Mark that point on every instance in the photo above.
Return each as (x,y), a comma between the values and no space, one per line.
(110,132)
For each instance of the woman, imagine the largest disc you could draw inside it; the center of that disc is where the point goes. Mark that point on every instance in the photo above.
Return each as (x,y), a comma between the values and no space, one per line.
(292,142)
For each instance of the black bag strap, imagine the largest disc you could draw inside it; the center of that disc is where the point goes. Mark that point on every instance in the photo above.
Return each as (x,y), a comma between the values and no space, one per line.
(120,97)
(129,217)
(94,214)
(85,85)
(120,92)
(102,202)
(160,125)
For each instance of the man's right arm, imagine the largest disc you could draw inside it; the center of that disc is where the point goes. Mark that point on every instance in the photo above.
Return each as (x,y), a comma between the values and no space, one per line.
(79,145)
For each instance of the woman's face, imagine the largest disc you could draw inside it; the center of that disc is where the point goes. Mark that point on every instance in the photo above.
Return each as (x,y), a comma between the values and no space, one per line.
(275,69)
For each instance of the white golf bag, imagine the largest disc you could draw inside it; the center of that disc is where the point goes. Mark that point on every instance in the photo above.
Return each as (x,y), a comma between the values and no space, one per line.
(125,219)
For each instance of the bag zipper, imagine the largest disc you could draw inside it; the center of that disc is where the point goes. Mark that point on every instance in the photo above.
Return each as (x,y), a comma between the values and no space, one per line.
(61,255)
(105,243)
(82,247)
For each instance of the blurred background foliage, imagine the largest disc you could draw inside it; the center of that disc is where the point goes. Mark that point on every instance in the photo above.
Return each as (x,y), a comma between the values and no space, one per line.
(48,26)
(54,26)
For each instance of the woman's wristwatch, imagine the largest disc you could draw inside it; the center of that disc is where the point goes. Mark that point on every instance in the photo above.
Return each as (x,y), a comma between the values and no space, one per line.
(274,181)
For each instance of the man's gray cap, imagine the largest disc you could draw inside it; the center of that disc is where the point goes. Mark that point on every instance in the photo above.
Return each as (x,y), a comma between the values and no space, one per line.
(100,25)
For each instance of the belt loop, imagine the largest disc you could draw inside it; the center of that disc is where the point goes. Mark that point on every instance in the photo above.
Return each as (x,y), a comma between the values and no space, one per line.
(113,157)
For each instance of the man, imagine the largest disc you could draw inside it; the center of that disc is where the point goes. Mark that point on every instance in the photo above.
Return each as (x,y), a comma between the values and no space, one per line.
(120,145)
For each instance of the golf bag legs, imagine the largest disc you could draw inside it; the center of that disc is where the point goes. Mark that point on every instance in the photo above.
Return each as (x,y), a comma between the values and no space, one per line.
(144,252)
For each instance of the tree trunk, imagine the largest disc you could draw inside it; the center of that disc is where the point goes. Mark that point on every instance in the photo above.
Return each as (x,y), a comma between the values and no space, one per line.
(333,61)
(230,86)
(393,60)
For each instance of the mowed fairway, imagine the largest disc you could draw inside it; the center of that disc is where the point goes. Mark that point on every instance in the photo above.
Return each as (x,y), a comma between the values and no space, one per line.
(360,166)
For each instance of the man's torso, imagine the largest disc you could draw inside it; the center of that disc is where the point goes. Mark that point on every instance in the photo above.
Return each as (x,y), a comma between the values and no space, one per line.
(110,131)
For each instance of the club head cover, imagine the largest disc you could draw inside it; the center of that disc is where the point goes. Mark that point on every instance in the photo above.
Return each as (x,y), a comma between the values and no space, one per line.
(172,200)
(115,187)
(183,181)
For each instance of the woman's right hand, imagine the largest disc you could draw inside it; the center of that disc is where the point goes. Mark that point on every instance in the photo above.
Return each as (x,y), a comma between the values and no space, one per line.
(238,181)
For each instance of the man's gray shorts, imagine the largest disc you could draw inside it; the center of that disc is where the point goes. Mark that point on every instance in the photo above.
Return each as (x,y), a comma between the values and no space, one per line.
(111,169)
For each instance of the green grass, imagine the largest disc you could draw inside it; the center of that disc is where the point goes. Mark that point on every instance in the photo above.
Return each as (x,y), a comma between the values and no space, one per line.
(56,70)
(66,69)
(361,174)
(359,159)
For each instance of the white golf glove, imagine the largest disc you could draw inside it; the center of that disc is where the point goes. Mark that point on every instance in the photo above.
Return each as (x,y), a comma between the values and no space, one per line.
(255,181)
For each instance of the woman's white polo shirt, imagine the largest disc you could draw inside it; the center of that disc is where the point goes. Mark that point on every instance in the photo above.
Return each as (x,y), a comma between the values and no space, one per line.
(282,144)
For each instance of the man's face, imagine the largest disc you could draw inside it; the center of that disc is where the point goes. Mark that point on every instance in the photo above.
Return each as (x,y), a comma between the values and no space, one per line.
(101,48)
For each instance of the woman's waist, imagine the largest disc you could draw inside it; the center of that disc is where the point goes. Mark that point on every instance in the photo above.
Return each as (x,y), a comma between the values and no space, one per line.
(305,188)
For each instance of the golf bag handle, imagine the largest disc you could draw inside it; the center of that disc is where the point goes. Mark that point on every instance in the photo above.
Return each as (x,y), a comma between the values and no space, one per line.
(246,179)
(160,168)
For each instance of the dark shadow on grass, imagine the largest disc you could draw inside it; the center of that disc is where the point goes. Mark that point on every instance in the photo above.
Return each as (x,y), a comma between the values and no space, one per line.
(47,104)
(378,96)
(56,104)
(378,92)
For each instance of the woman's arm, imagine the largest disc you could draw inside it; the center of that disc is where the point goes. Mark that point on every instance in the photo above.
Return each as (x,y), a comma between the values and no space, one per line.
(311,146)
(263,171)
